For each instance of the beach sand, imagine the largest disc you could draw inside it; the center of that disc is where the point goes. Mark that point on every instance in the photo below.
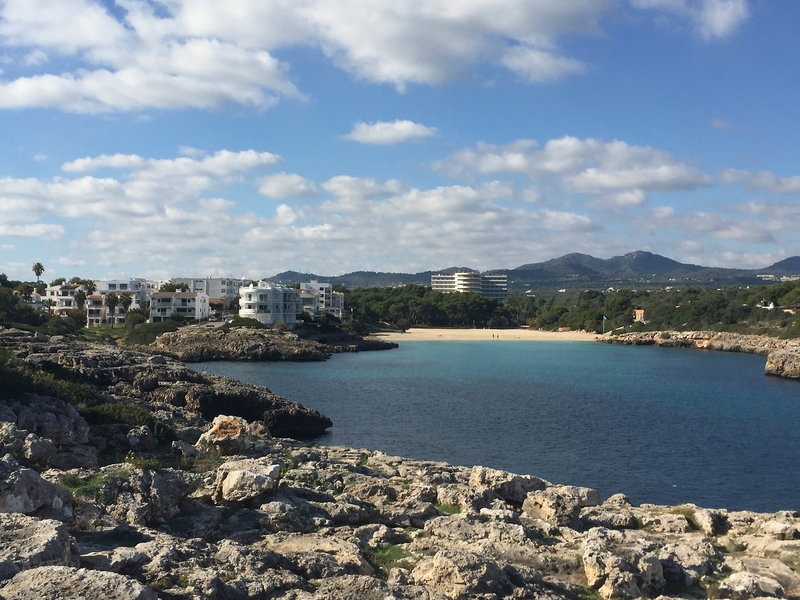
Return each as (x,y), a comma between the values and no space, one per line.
(416,334)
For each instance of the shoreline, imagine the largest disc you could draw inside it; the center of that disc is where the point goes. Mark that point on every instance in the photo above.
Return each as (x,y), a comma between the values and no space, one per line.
(425,334)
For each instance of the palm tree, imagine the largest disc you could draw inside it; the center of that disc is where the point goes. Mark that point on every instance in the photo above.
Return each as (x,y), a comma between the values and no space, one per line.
(38,269)
(90,286)
(111,302)
(125,301)
(80,298)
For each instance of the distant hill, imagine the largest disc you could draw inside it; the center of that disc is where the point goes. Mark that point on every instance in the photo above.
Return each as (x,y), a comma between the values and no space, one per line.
(578,271)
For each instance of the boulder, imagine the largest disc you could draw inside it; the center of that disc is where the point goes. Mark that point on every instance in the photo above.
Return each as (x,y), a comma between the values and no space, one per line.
(23,490)
(244,479)
(555,506)
(28,542)
(69,583)
(141,438)
(508,486)
(460,575)
(53,419)
(227,435)
(743,585)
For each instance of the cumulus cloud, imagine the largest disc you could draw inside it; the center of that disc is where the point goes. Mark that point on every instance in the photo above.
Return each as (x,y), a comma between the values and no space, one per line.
(584,166)
(539,66)
(389,133)
(709,18)
(287,185)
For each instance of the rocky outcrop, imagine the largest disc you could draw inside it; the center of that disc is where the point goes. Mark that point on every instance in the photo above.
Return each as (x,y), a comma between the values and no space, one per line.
(783,356)
(158,383)
(784,363)
(286,521)
(240,343)
(228,512)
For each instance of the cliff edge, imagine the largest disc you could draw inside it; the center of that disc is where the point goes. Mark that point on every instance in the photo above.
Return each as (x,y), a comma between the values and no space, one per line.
(783,356)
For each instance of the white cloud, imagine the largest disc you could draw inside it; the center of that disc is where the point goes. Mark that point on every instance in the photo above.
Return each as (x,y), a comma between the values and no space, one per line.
(585,166)
(720,124)
(389,133)
(205,54)
(287,185)
(539,66)
(763,180)
(34,230)
(709,18)
(634,198)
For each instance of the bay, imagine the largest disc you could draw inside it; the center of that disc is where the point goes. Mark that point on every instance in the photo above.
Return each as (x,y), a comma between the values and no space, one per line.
(662,425)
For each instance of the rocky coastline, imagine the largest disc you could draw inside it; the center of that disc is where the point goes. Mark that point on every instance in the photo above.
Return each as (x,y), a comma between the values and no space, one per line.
(200,344)
(227,509)
(783,356)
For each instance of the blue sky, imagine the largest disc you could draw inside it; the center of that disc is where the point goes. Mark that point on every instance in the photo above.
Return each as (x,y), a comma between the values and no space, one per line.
(248,137)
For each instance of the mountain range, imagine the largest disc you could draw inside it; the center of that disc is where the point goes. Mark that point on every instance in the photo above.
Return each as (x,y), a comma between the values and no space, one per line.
(580,271)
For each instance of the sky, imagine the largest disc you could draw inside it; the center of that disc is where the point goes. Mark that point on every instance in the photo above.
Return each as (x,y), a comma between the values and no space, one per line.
(195,138)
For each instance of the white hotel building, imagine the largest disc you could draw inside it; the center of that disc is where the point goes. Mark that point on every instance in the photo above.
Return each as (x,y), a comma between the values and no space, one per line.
(488,286)
(270,304)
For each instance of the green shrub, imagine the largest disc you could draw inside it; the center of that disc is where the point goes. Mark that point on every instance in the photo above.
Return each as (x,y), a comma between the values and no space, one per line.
(129,414)
(384,557)
(146,333)
(450,509)
(688,512)
(237,321)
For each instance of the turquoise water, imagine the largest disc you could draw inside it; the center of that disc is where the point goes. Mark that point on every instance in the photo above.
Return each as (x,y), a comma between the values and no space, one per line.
(661,425)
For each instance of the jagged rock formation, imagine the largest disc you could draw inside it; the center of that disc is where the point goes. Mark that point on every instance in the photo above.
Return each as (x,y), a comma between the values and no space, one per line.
(227,512)
(287,521)
(783,356)
(160,383)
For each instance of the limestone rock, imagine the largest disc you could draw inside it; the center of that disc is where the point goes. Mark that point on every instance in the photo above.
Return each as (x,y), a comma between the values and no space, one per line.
(557,507)
(69,583)
(228,435)
(783,363)
(508,486)
(461,575)
(742,585)
(27,542)
(24,491)
(245,479)
(141,438)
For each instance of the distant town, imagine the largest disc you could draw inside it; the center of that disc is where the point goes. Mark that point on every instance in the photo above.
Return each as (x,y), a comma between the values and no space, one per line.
(108,302)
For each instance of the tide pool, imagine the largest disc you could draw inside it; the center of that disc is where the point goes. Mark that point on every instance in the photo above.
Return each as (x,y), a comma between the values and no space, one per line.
(661,425)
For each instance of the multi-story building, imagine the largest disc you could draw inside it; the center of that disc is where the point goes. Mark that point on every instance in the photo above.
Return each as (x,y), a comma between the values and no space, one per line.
(330,302)
(494,286)
(98,312)
(62,297)
(270,304)
(190,305)
(223,291)
(141,289)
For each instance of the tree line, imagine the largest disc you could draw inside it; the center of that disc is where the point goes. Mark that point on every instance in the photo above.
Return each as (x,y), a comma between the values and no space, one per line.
(731,309)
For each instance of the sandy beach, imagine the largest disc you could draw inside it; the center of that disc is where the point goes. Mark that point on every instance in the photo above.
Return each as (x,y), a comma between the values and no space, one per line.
(529,335)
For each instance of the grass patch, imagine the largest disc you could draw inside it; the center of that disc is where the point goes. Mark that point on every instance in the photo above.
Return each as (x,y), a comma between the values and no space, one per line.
(384,557)
(792,561)
(91,487)
(688,512)
(450,509)
(149,464)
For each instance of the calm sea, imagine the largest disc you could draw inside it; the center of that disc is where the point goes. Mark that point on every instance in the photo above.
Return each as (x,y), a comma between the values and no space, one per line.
(661,425)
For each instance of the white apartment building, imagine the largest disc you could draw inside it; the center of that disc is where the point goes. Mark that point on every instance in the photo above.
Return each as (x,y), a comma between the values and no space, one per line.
(98,313)
(329,301)
(191,305)
(270,304)
(488,286)
(220,290)
(141,289)
(62,297)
